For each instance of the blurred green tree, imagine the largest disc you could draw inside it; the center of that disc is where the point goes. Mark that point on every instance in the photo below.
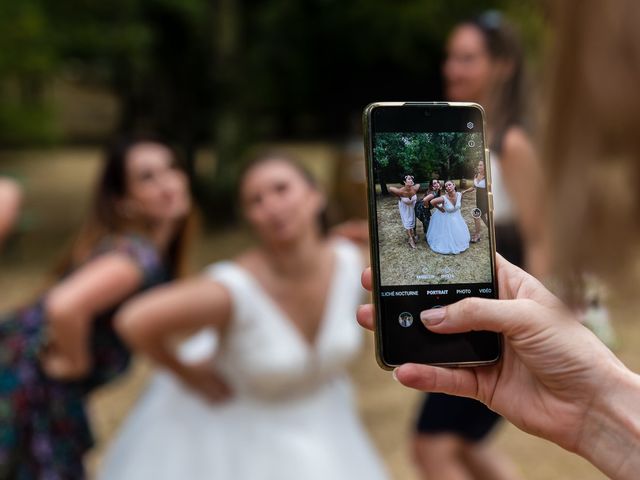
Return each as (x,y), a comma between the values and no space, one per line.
(442,155)
(27,58)
(230,72)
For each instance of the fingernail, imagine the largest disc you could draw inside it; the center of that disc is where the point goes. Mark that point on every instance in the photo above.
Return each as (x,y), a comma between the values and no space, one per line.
(432,317)
(394,374)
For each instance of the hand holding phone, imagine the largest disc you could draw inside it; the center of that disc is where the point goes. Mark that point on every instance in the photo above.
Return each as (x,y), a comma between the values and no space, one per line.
(423,254)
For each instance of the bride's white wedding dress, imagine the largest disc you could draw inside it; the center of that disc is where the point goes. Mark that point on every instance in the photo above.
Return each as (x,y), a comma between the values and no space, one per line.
(448,233)
(292,416)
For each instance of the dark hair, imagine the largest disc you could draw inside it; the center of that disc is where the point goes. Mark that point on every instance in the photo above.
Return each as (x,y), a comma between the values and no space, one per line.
(508,102)
(404,178)
(267,156)
(105,217)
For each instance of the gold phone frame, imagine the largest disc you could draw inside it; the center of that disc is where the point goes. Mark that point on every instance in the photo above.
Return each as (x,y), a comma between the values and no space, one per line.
(373,234)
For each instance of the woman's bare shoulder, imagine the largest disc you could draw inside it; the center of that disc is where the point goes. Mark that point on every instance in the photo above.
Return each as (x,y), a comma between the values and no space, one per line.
(516,140)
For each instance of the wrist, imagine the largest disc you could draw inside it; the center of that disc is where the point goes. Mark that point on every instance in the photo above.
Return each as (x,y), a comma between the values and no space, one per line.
(610,437)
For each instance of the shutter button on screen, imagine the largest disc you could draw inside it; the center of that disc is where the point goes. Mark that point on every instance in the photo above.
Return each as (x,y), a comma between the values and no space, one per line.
(405,319)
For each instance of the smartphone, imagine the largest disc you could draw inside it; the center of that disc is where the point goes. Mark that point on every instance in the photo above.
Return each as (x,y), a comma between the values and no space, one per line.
(431,228)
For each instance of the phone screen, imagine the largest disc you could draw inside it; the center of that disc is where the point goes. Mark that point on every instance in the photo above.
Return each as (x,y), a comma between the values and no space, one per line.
(432,229)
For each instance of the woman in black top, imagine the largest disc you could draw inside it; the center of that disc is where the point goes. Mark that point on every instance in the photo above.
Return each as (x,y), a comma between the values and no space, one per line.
(423,207)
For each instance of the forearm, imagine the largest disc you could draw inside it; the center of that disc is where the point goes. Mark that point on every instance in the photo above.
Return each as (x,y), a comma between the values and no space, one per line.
(69,342)
(611,435)
(154,347)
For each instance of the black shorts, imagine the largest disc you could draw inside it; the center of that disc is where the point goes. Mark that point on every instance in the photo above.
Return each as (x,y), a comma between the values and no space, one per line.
(509,243)
(461,416)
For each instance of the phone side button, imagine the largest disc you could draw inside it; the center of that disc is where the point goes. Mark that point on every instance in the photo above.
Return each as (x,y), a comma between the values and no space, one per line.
(490,201)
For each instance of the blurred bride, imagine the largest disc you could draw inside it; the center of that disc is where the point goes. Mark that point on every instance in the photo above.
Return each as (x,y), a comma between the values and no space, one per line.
(448,233)
(274,402)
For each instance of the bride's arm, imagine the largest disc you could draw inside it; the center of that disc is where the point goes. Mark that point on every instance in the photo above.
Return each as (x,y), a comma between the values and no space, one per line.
(151,322)
(437,202)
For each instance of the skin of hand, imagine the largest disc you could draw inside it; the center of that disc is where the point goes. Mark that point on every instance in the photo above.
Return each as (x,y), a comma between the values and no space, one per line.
(204,380)
(150,322)
(555,379)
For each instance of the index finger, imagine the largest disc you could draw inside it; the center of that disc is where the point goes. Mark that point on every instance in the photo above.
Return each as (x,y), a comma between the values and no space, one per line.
(366,279)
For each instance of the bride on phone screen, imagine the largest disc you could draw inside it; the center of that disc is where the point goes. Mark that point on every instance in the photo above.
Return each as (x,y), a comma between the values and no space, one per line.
(448,233)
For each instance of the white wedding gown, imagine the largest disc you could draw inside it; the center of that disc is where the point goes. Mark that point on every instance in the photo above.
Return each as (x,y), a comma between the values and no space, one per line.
(292,416)
(448,233)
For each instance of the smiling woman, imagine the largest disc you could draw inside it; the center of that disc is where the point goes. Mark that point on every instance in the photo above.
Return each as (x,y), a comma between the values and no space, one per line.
(61,347)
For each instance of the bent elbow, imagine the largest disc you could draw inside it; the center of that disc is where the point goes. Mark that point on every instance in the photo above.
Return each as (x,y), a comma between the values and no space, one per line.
(129,324)
(60,310)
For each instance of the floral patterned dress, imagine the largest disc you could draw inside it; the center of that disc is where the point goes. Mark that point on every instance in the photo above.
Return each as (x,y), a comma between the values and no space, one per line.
(44,430)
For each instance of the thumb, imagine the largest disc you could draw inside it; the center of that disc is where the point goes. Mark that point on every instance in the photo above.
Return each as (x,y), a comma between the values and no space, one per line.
(504,316)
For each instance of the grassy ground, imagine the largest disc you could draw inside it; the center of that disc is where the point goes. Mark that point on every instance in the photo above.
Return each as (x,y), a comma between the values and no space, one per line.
(403,265)
(57,186)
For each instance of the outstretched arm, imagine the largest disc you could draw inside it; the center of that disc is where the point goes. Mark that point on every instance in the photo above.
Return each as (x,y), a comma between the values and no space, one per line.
(151,322)
(555,380)
(395,191)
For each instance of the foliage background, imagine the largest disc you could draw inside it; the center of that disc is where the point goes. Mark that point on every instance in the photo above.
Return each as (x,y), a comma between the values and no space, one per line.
(222,74)
(442,155)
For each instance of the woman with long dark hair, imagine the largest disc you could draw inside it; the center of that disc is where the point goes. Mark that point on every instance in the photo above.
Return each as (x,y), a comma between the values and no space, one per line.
(61,347)
(484,64)
(482,200)
(283,315)
(423,206)
(556,380)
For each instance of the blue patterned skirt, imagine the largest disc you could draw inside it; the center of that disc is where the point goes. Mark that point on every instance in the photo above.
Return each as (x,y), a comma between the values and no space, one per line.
(44,431)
